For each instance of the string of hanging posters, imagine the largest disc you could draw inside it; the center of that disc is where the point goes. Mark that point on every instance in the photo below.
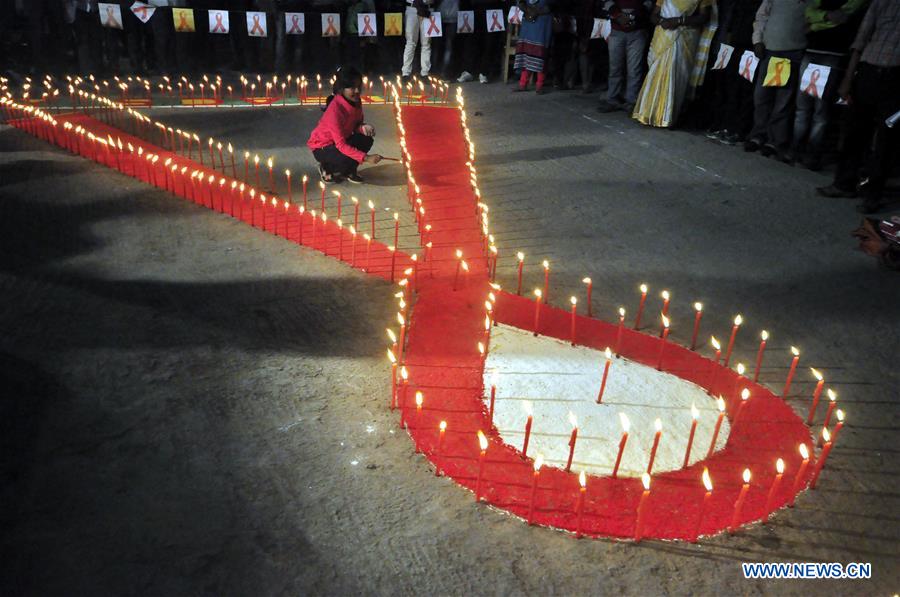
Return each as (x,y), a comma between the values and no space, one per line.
(184,20)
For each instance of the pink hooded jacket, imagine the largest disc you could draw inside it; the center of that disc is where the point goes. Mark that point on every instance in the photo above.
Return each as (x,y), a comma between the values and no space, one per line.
(340,120)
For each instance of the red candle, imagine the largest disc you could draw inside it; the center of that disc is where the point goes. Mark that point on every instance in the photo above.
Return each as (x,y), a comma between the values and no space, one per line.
(355,212)
(402,321)
(337,195)
(820,463)
(662,344)
(665,297)
(287,174)
(619,332)
(639,525)
(657,424)
(707,482)
(839,414)
(739,504)
(483,444)
(590,287)
(698,307)
(764,335)
(494,377)
(715,366)
(442,428)
(482,352)
(687,453)
(579,508)
(817,393)
(420,398)
(626,425)
(368,251)
(396,230)
(322,188)
(574,302)
(738,380)
(393,360)
(637,320)
(720,403)
(832,398)
(305,181)
(745,395)
(246,166)
(528,422)
(734,330)
(793,369)
(798,480)
(546,265)
(221,159)
(538,463)
(572,439)
(605,374)
(770,499)
(353,249)
(372,214)
(521,258)
(537,309)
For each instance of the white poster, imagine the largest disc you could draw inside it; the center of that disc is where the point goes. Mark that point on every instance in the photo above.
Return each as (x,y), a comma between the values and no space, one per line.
(367,24)
(143,11)
(110,15)
(602,28)
(494,17)
(515,15)
(747,65)
(433,25)
(256,24)
(465,21)
(331,24)
(218,21)
(723,57)
(294,23)
(814,79)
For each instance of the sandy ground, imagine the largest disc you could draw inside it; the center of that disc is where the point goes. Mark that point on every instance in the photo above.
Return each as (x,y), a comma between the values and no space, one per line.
(194,407)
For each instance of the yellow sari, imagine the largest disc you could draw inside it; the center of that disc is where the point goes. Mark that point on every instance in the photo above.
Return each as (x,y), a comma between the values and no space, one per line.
(677,63)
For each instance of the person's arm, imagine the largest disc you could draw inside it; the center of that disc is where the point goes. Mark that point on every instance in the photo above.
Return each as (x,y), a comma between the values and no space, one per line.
(331,126)
(759,27)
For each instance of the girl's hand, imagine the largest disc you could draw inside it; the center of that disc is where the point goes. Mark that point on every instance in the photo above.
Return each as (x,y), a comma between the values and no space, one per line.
(373,158)
(368,130)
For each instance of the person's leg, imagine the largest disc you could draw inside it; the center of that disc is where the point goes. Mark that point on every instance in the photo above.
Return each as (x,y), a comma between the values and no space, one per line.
(636,50)
(883,87)
(361,142)
(762,108)
(782,117)
(803,113)
(618,47)
(411,31)
(822,113)
(424,49)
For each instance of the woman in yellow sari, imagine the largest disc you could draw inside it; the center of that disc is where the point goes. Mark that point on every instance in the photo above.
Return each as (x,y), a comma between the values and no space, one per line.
(677,58)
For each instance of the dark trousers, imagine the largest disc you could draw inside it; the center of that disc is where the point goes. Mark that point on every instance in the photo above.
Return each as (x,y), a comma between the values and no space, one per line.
(482,50)
(875,96)
(334,162)
(738,99)
(773,117)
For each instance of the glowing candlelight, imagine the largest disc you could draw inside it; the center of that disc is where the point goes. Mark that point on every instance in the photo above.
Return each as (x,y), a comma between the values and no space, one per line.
(521,257)
(665,297)
(579,509)
(537,309)
(590,287)
(574,302)
(546,265)
(839,415)
(305,181)
(402,321)
(287,174)
(764,335)
(483,444)
(820,463)
(572,439)
(715,368)
(637,320)
(720,403)
(739,504)
(817,393)
(662,344)
(639,525)
(494,378)
(619,332)
(793,369)
(605,375)
(734,330)
(420,398)
(538,463)
(832,402)
(739,369)
(442,429)
(393,360)
(745,395)
(770,499)
(798,480)
(527,406)
(707,483)
(695,414)
(698,307)
(657,424)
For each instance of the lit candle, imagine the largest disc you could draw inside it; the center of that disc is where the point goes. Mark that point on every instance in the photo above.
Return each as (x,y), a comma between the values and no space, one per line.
(715,366)
(820,463)
(537,309)
(572,439)
(256,170)
(657,424)
(529,419)
(637,320)
(355,212)
(287,174)
(396,230)
(482,352)
(832,398)
(817,393)
(372,214)
(619,332)
(793,369)
(839,415)
(247,167)
(665,297)
(739,380)
(322,189)
(764,335)
(745,395)
(483,444)
(605,374)
(698,307)
(368,252)
(574,302)
(402,321)
(221,159)
(720,403)
(521,257)
(739,504)
(770,499)
(707,483)
(538,463)
(393,360)
(494,377)
(798,480)
(305,181)
(662,344)
(590,287)
(442,428)
(694,416)
(420,398)
(639,525)
(579,509)
(734,330)
(546,265)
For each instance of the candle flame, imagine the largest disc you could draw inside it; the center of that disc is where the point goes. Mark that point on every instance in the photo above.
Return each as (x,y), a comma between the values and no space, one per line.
(745,393)
(816,374)
(538,462)
(481,348)
(715,343)
(404,373)
(738,320)
(720,403)
(608,354)
(520,256)
(391,335)
(419,399)
(391,357)
(573,300)
(832,395)
(643,289)
(740,368)
(804,452)
(586,280)
(657,424)
(537,292)
(840,415)
(695,414)
(826,435)
(764,335)
(573,420)
(622,312)
(795,352)
(582,479)
(746,475)
(546,264)
(623,420)
(707,482)
(665,321)
(482,441)
(698,307)
(464,265)
(400,319)
(371,205)
(442,426)
(526,406)
(779,466)
(645,479)
(664,294)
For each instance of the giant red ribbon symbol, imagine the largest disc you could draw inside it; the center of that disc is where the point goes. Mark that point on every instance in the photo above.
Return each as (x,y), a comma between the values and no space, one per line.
(330,30)
(746,71)
(257,29)
(295,24)
(367,29)
(111,19)
(182,22)
(432,27)
(466,26)
(495,25)
(220,26)
(811,89)
(776,79)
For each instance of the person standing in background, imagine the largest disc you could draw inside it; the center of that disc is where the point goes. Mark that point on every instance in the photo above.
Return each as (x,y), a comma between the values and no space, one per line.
(416,12)
(627,45)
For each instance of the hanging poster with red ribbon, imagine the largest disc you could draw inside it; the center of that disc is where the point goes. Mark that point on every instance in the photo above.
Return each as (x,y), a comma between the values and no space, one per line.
(183,20)
(393,23)
(142,11)
(433,26)
(331,24)
(723,57)
(778,72)
(494,17)
(515,15)
(110,15)
(294,23)
(602,28)
(465,21)
(747,65)
(256,24)
(814,79)
(366,24)
(218,21)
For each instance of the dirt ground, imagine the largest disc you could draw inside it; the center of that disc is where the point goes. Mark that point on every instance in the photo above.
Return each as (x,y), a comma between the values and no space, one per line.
(195,407)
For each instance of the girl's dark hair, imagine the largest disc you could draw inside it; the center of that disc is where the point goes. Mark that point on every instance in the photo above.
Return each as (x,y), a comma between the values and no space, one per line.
(344,77)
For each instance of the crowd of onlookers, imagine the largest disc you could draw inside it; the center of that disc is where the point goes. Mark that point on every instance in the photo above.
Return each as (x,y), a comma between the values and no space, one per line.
(739,69)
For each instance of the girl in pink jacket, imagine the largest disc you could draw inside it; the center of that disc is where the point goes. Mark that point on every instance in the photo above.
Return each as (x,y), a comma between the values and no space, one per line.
(342,140)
